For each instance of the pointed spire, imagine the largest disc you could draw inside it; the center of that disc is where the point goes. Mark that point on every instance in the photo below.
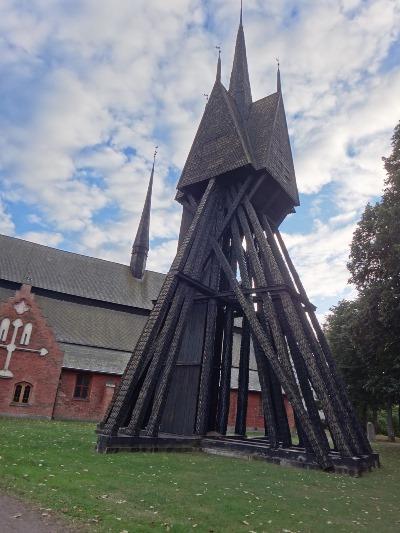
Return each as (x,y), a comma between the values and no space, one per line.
(218,77)
(239,86)
(140,248)
(278,78)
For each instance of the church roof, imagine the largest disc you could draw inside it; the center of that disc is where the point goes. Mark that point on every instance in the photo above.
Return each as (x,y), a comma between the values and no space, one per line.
(92,325)
(92,359)
(77,275)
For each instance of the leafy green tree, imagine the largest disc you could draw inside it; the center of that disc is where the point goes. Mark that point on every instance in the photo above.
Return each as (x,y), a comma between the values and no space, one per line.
(350,335)
(375,270)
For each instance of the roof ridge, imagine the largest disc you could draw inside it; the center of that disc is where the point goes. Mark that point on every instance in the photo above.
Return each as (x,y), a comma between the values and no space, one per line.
(95,346)
(276,93)
(274,124)
(240,125)
(2,235)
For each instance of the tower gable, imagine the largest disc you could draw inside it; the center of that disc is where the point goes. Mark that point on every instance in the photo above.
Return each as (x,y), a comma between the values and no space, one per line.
(269,137)
(220,144)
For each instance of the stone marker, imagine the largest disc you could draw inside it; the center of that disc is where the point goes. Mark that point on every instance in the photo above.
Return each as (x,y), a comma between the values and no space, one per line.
(370,431)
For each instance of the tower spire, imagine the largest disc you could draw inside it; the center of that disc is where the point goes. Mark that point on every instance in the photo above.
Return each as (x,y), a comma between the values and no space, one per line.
(278,78)
(218,77)
(239,86)
(140,248)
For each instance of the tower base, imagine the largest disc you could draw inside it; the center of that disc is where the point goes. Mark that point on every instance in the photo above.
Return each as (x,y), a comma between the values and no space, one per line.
(240,447)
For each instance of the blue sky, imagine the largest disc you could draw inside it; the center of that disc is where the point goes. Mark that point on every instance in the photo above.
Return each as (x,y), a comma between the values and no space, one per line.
(89,87)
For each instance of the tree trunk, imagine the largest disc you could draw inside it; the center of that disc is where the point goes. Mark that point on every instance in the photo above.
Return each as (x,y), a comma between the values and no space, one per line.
(363,416)
(389,419)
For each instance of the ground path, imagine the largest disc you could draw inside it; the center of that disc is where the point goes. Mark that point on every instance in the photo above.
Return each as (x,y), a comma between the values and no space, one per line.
(19,517)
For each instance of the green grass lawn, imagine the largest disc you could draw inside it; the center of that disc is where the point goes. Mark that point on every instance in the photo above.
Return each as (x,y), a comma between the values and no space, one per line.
(54,465)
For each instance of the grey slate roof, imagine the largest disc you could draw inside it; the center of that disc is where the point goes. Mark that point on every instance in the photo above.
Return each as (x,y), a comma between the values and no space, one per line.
(91,325)
(107,361)
(78,275)
(94,359)
(236,352)
(254,383)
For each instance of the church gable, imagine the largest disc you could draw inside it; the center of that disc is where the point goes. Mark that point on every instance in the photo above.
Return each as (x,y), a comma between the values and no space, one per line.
(30,359)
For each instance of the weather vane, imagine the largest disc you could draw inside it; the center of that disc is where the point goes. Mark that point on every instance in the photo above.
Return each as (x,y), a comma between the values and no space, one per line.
(155,152)
(277,60)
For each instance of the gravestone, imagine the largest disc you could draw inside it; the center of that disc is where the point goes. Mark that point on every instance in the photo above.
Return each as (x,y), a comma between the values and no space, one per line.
(371,432)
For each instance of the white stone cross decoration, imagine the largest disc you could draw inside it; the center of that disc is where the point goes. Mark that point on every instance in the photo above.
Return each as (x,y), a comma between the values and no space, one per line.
(11,347)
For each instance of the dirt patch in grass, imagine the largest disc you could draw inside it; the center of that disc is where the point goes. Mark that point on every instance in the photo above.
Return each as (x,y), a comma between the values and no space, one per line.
(17,516)
(54,464)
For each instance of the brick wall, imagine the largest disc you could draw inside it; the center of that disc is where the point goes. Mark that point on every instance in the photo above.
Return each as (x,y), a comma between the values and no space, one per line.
(41,372)
(255,417)
(101,389)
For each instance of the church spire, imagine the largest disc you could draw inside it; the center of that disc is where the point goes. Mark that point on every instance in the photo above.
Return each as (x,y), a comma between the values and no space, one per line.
(278,79)
(218,77)
(239,86)
(140,248)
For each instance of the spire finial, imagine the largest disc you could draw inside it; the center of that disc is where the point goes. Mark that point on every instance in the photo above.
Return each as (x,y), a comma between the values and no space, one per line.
(218,77)
(278,76)
(154,158)
(241,12)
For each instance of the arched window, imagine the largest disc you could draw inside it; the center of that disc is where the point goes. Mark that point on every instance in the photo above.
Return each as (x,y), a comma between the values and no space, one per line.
(26,334)
(4,326)
(22,392)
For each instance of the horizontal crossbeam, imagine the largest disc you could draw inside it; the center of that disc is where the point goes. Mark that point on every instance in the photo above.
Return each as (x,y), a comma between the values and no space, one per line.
(255,291)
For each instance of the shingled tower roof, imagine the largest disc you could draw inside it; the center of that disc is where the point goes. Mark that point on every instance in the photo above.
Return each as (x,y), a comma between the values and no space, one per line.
(239,136)
(140,248)
(239,86)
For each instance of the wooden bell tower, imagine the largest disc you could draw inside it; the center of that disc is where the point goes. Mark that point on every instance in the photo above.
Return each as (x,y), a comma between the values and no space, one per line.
(237,186)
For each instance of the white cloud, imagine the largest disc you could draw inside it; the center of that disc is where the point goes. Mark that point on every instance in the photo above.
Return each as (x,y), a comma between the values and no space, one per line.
(7,226)
(43,237)
(87,91)
(160,256)
(320,258)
